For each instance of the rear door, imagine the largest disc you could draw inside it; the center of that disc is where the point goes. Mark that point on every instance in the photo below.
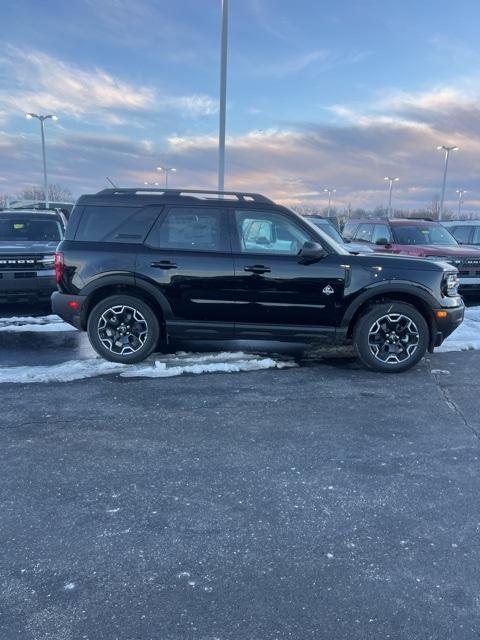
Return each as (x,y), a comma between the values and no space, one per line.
(277,295)
(188,257)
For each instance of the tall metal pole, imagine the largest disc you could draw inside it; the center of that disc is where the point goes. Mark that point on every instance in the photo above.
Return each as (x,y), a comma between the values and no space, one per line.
(223,97)
(44,156)
(390,199)
(390,181)
(329,202)
(460,199)
(444,182)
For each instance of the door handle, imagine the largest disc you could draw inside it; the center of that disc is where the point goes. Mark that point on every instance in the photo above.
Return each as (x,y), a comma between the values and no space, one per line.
(164,264)
(257,268)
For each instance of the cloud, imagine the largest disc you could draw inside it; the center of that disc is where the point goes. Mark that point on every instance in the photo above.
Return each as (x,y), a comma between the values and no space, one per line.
(40,82)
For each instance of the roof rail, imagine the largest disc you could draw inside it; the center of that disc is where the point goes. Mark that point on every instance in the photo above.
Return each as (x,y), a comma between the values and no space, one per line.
(241,196)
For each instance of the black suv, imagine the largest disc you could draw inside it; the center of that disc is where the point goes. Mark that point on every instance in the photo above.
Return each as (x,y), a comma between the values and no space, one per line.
(28,240)
(139,267)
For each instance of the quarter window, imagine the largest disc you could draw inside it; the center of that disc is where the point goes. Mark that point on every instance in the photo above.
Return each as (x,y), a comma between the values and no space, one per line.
(116,224)
(269,232)
(381,232)
(476,235)
(193,229)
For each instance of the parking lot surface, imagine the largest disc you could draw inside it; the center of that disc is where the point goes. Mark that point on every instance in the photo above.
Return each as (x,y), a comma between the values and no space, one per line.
(320,501)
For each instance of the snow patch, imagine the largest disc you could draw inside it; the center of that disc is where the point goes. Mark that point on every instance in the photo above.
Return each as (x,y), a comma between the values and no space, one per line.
(467,336)
(164,367)
(34,324)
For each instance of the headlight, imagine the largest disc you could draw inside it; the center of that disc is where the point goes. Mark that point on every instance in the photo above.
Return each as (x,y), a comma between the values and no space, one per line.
(48,260)
(450,284)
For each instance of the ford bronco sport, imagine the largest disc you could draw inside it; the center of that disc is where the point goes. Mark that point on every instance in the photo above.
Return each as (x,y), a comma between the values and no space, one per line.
(139,267)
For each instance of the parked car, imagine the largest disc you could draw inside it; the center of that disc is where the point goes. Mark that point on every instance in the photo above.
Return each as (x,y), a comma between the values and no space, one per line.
(139,267)
(28,240)
(464,231)
(325,225)
(64,207)
(421,238)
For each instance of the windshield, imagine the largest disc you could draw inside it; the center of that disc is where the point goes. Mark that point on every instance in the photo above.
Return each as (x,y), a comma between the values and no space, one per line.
(29,228)
(328,228)
(424,234)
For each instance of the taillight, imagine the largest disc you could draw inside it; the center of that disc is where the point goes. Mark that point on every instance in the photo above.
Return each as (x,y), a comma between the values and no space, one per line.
(59,266)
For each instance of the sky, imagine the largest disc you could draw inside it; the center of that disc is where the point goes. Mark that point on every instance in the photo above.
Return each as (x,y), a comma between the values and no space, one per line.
(321,94)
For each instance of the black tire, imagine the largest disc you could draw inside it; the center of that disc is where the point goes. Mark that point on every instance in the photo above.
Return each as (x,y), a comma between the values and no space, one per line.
(387,345)
(124,329)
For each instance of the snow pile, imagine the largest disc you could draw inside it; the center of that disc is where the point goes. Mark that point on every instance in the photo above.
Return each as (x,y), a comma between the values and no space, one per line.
(32,324)
(163,367)
(467,336)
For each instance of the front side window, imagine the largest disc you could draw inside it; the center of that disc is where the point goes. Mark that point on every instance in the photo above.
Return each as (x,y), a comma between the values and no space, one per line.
(364,233)
(462,233)
(29,228)
(193,229)
(269,232)
(476,235)
(381,232)
(424,234)
(349,230)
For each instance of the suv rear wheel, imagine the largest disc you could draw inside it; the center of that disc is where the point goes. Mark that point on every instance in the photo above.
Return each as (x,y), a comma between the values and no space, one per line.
(391,337)
(123,329)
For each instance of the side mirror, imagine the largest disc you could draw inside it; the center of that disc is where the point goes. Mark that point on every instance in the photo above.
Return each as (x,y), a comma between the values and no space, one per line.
(311,252)
(382,241)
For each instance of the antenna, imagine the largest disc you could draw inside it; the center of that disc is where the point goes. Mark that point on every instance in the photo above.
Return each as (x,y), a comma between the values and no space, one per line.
(112,183)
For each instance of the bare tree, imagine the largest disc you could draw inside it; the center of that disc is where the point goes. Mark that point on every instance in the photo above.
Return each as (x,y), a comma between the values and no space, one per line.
(4,200)
(56,193)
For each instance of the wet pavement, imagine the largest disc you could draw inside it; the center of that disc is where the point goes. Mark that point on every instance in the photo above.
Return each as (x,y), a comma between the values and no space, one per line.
(322,501)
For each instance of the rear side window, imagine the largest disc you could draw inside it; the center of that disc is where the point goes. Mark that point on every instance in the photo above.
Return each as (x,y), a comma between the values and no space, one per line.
(116,224)
(461,233)
(381,232)
(476,235)
(192,229)
(364,233)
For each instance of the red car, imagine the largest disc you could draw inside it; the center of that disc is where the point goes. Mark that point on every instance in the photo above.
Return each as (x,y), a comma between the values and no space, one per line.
(420,238)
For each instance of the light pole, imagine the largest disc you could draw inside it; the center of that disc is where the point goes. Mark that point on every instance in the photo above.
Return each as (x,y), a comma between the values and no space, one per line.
(390,181)
(460,198)
(447,154)
(166,170)
(42,130)
(223,97)
(330,193)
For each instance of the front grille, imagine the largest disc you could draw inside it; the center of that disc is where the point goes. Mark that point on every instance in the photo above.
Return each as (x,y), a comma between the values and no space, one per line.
(25,274)
(23,263)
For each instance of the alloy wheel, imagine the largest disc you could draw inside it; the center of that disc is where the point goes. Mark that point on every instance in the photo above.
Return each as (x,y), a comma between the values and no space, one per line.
(122,329)
(393,338)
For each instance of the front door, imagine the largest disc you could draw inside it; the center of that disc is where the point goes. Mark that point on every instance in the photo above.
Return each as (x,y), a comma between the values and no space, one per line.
(277,295)
(188,257)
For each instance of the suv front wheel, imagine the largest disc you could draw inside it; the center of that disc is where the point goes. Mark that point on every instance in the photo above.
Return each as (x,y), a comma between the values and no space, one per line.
(391,337)
(123,329)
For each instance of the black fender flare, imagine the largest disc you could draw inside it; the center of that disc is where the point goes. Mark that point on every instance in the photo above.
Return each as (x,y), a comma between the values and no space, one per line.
(129,280)
(388,288)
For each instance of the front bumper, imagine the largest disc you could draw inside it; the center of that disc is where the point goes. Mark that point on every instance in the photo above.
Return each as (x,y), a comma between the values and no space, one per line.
(27,286)
(467,284)
(446,325)
(69,308)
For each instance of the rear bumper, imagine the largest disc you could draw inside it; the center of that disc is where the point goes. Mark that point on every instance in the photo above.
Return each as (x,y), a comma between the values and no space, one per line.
(69,308)
(446,326)
(27,286)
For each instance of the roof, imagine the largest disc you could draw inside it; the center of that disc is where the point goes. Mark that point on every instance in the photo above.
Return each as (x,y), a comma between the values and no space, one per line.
(151,196)
(37,212)
(460,223)
(396,222)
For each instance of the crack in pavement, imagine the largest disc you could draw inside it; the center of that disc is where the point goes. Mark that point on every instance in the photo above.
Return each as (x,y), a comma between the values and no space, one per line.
(450,402)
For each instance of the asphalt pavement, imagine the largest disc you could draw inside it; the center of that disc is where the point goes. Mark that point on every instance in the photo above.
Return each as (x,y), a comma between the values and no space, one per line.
(322,501)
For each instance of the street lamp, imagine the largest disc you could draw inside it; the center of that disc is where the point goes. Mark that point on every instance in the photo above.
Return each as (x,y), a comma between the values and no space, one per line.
(330,193)
(460,198)
(447,154)
(223,97)
(42,119)
(166,170)
(390,181)
(151,184)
